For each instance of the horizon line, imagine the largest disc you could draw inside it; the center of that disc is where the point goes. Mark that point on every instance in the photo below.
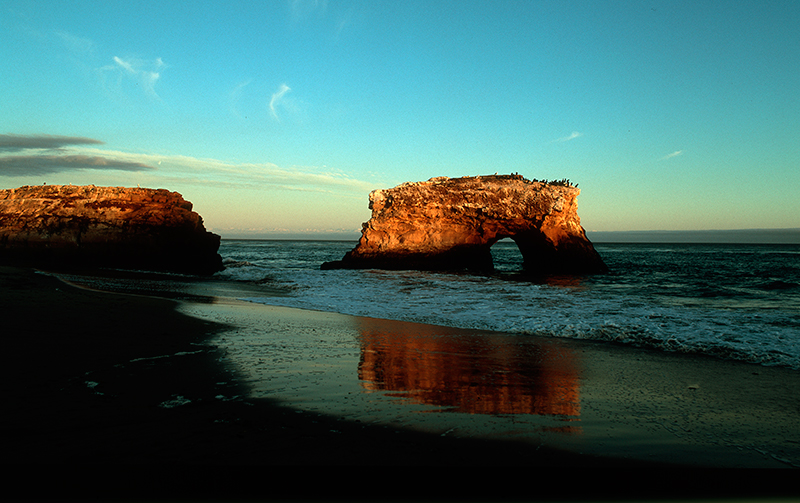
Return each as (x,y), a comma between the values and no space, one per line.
(789,235)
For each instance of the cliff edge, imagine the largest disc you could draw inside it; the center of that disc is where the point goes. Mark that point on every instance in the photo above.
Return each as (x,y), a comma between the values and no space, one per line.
(451,224)
(118,227)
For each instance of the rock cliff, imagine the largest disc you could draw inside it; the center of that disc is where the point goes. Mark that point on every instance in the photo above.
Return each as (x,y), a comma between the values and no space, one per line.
(80,226)
(451,224)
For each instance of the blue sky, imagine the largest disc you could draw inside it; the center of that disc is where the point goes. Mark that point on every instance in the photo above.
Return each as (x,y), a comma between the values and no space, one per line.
(279,117)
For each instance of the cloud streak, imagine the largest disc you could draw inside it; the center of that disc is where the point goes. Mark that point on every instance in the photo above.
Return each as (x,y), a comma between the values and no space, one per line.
(35,165)
(276,98)
(146,73)
(38,156)
(301,9)
(674,154)
(35,160)
(574,135)
(263,176)
(75,43)
(235,96)
(15,143)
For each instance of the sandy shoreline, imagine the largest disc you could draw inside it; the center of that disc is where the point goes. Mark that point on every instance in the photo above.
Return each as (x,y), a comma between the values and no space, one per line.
(108,379)
(581,397)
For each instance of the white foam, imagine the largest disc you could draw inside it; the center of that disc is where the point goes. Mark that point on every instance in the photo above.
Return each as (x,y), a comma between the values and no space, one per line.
(527,308)
(643,304)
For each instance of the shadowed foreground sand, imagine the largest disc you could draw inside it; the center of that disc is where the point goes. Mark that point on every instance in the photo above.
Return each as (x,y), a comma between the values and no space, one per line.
(102,379)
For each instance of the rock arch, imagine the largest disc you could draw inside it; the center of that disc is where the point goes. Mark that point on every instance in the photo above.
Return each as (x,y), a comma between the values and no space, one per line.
(452,223)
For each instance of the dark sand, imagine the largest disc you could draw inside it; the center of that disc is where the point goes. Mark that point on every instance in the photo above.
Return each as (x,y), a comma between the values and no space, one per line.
(93,381)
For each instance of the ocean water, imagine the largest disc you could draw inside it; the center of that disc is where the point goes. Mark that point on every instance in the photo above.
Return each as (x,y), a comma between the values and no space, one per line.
(739,302)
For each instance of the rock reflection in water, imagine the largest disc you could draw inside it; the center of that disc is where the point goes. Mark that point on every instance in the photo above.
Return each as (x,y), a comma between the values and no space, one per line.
(477,374)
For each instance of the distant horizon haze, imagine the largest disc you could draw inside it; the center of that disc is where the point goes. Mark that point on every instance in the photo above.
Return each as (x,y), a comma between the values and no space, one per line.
(728,236)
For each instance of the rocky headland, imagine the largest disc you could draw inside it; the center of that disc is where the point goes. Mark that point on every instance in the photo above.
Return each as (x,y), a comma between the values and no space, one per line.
(451,224)
(117,227)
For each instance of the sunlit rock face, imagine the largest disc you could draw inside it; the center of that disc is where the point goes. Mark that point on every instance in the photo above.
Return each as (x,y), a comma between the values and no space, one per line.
(451,224)
(89,226)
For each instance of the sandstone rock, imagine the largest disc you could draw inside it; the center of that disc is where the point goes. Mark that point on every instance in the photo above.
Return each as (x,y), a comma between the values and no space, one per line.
(80,226)
(451,224)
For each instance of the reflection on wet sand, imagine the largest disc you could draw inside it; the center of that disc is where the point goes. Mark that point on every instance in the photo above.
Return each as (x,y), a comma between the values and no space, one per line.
(482,374)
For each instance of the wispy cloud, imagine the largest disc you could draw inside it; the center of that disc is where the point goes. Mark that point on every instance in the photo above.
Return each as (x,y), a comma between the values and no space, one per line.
(75,43)
(218,173)
(574,135)
(235,96)
(338,18)
(300,9)
(145,72)
(674,154)
(276,98)
(343,22)
(124,64)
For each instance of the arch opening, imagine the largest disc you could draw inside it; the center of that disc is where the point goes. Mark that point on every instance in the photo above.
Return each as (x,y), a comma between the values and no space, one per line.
(506,256)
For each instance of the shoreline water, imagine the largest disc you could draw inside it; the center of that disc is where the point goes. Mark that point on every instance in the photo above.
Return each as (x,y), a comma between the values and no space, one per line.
(100,380)
(584,397)
(95,358)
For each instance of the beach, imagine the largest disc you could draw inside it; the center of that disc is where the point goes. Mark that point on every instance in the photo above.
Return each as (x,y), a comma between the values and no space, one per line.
(106,379)
(585,398)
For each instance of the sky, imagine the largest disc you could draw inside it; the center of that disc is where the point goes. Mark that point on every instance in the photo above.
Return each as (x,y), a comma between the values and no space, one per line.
(277,118)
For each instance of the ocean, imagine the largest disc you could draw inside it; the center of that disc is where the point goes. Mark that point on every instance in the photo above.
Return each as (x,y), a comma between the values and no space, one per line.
(732,301)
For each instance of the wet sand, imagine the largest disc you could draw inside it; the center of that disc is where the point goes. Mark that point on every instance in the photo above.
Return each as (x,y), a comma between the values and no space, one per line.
(104,380)
(582,397)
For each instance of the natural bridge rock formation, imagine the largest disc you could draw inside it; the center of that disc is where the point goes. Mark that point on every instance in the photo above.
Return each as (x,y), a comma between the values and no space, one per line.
(451,224)
(88,226)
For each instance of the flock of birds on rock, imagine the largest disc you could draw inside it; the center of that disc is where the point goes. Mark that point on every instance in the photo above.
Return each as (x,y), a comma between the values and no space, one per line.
(564,182)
